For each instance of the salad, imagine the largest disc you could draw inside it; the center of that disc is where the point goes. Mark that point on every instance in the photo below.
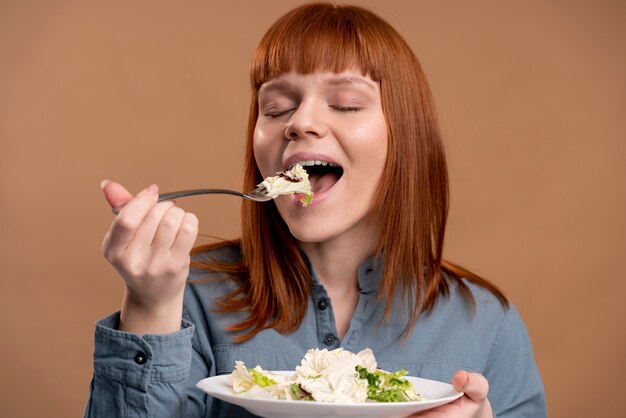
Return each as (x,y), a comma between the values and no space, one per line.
(336,376)
(294,180)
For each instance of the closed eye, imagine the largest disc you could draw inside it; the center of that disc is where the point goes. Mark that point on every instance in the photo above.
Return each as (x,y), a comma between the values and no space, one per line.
(277,113)
(347,108)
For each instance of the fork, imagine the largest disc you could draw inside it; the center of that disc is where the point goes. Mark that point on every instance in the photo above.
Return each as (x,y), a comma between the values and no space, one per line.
(257,195)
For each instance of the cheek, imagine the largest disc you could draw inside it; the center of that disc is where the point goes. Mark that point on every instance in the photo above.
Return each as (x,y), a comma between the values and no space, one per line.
(381,142)
(259,139)
(263,152)
(371,145)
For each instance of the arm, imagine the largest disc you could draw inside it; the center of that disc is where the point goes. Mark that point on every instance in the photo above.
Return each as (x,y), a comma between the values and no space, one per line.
(516,386)
(142,356)
(141,376)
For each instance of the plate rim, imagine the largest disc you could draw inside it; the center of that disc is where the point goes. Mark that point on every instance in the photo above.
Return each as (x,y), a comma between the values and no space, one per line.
(221,379)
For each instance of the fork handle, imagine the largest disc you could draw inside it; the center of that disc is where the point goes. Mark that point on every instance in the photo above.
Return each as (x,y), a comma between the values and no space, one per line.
(184,193)
(193,192)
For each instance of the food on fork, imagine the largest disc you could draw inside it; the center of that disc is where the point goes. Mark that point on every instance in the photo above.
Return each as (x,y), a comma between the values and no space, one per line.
(294,180)
(336,376)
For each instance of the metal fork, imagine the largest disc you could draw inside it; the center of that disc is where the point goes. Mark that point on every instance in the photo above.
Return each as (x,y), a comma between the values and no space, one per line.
(258,195)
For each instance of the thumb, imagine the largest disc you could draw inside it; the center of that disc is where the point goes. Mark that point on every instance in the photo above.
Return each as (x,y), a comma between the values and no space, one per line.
(474,385)
(115,193)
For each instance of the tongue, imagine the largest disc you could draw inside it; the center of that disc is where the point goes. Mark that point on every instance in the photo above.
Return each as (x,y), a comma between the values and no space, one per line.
(322,182)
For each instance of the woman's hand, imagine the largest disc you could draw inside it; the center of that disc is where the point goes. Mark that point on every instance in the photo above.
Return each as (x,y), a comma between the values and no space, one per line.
(474,404)
(149,243)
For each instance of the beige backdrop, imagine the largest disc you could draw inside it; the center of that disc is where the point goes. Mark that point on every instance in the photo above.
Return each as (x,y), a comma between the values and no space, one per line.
(532,101)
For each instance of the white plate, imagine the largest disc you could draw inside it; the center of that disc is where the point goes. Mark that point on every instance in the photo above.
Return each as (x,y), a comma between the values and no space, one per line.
(436,393)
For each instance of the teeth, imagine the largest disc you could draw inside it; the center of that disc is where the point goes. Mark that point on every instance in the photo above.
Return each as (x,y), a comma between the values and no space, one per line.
(310,163)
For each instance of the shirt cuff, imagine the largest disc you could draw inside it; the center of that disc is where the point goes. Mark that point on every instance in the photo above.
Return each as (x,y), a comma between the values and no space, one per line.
(139,360)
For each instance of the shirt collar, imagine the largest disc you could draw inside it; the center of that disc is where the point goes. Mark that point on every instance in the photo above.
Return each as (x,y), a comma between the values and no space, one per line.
(369,274)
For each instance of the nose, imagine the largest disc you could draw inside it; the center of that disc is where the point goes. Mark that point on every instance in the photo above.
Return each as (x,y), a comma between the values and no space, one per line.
(306,121)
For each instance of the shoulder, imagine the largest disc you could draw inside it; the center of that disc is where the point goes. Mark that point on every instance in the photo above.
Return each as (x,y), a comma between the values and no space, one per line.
(458,335)
(497,325)
(480,324)
(485,302)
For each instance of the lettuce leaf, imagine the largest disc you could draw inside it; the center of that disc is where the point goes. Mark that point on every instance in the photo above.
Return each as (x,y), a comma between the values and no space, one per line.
(383,386)
(261,379)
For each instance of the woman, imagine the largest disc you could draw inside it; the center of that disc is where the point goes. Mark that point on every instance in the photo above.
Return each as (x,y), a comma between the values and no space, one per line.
(337,90)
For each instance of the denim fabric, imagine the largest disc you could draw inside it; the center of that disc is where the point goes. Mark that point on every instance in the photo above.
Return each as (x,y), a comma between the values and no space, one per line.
(155,375)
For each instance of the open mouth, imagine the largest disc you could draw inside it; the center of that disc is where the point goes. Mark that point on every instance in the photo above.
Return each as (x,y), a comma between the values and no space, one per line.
(322,174)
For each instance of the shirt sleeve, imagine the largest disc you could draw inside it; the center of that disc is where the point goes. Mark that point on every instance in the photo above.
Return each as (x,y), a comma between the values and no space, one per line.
(515,386)
(141,376)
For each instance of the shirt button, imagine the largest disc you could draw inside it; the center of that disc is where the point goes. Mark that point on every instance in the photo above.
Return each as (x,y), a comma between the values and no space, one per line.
(140,358)
(322,304)
(329,339)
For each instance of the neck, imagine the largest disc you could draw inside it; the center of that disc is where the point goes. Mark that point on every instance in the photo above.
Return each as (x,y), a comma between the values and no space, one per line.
(337,261)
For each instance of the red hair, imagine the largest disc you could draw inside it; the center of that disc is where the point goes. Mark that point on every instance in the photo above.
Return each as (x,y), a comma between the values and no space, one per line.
(275,283)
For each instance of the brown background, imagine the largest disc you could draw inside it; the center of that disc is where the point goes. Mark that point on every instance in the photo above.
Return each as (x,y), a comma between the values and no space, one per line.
(532,99)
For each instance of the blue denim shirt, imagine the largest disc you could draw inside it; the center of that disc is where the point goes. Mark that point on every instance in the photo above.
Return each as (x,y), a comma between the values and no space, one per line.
(155,375)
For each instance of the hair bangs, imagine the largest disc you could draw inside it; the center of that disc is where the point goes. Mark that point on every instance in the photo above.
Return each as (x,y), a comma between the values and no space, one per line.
(331,39)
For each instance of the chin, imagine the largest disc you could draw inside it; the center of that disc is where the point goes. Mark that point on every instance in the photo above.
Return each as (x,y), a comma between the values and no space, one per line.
(309,234)
(313,229)
(312,225)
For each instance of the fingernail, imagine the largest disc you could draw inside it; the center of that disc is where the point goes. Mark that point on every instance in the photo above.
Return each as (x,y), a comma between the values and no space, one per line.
(467,381)
(153,188)
(104,183)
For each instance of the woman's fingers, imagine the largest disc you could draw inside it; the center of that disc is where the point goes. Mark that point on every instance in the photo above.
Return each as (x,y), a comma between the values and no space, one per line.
(168,230)
(144,236)
(131,216)
(474,385)
(474,403)
(186,236)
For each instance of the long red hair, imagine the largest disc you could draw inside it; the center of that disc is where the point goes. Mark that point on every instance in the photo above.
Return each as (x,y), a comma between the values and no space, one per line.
(274,280)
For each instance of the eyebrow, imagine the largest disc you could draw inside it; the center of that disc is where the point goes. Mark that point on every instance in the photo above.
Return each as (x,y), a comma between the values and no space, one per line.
(331,81)
(274,85)
(338,81)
